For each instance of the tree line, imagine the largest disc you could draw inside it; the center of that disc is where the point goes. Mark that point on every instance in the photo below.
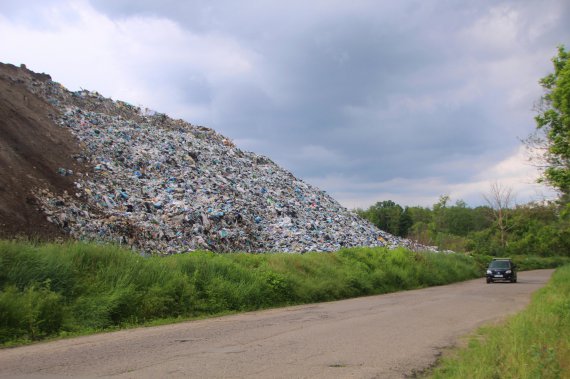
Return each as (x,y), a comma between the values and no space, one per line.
(535,228)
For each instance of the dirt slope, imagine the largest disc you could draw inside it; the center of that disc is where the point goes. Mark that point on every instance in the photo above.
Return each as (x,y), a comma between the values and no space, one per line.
(32,149)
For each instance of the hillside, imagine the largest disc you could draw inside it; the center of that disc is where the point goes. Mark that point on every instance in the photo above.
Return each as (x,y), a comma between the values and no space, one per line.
(81,165)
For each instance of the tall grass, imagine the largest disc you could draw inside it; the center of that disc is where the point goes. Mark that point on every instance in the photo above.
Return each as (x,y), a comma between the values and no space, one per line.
(50,290)
(533,344)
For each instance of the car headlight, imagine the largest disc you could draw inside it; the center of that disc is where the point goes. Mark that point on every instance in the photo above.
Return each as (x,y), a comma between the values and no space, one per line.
(508,272)
(489,272)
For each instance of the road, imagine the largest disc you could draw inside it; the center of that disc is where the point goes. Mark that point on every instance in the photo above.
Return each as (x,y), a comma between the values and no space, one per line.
(385,336)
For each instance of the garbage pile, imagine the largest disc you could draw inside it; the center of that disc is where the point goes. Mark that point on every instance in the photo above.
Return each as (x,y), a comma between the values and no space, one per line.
(166,186)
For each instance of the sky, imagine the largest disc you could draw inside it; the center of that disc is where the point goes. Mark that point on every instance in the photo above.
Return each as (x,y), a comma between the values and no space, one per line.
(368,100)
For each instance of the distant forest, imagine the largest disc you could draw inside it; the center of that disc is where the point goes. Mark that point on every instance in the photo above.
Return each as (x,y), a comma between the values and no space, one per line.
(531,229)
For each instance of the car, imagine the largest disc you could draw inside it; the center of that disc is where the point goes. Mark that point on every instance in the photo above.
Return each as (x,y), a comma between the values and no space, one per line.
(502,269)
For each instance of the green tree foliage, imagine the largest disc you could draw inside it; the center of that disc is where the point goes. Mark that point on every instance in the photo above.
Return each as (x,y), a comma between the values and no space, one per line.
(554,121)
(538,229)
(533,229)
(406,222)
(388,216)
(421,229)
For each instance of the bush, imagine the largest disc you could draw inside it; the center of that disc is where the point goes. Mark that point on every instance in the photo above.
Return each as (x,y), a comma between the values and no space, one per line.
(33,313)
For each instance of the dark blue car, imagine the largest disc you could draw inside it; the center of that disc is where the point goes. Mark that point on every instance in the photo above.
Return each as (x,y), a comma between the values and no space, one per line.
(502,269)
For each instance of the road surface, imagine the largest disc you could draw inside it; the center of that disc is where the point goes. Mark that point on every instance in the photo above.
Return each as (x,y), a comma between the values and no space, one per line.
(386,336)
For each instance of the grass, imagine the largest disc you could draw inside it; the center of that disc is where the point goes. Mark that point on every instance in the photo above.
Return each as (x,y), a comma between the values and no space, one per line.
(55,290)
(533,344)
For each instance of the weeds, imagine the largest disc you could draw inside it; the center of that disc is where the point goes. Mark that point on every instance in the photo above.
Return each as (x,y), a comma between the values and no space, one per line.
(50,290)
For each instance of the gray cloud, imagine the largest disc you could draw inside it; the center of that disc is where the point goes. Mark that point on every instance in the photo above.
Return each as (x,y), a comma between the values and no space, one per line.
(369,92)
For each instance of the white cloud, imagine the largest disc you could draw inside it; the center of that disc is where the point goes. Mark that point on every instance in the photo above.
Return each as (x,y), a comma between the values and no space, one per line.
(497,30)
(136,59)
(514,172)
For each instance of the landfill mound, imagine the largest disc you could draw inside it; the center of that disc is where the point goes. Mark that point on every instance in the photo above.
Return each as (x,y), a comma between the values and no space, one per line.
(128,175)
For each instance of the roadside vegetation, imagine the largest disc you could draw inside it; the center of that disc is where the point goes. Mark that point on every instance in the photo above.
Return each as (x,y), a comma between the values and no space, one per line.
(56,290)
(533,344)
(51,290)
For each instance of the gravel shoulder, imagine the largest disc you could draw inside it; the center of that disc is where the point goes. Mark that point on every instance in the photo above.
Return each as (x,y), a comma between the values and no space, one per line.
(385,336)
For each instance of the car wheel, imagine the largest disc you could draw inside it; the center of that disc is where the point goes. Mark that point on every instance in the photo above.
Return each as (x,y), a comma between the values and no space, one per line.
(489,280)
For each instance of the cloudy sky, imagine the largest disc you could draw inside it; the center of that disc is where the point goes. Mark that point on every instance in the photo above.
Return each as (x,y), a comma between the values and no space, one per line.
(368,100)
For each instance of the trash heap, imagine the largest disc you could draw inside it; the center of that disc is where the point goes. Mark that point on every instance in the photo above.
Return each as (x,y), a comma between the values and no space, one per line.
(165,186)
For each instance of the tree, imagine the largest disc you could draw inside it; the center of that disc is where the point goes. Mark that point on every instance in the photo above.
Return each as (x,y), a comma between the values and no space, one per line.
(440,212)
(553,121)
(460,219)
(538,230)
(421,218)
(420,214)
(387,215)
(499,199)
(405,223)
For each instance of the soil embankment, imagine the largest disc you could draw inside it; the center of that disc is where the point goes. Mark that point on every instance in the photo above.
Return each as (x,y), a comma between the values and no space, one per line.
(32,150)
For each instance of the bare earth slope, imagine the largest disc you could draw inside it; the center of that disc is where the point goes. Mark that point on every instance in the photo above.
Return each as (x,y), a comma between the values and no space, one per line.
(32,149)
(387,336)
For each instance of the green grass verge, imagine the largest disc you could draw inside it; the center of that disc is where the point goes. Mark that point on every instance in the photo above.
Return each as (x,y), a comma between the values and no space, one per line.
(54,290)
(533,344)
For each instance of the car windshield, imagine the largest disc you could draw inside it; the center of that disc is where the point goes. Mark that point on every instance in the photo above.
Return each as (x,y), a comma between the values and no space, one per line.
(500,264)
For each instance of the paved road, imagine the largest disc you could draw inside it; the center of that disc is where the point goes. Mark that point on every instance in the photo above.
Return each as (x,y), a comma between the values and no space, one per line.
(384,336)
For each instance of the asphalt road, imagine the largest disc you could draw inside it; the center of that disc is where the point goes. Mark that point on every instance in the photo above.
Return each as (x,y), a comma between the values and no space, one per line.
(386,336)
